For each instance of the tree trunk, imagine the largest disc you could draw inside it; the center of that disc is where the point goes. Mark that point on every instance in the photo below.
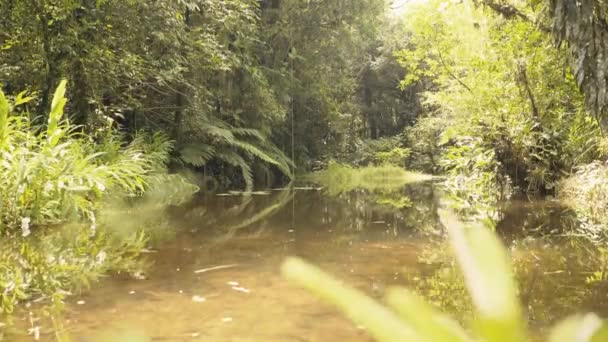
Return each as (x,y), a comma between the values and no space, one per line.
(51,72)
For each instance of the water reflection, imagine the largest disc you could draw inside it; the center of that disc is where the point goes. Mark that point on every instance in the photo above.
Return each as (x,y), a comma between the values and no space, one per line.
(370,237)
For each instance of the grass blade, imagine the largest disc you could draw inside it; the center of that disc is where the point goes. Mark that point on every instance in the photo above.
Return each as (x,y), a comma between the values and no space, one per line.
(579,328)
(429,323)
(380,322)
(487,271)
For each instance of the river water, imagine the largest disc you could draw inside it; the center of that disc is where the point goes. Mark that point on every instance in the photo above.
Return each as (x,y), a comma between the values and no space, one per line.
(218,279)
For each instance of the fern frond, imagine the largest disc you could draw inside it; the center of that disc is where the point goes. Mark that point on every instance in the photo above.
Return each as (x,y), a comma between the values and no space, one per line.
(232,158)
(254,151)
(196,155)
(217,132)
(224,142)
(249,132)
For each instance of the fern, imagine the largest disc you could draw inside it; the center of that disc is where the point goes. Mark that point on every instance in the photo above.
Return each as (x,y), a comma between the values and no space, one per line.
(196,155)
(232,158)
(234,146)
(254,133)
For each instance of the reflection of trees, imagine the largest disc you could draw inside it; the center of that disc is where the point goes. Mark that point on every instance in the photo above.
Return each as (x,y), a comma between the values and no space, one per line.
(276,204)
(398,210)
(557,275)
(226,215)
(369,212)
(384,196)
(558,271)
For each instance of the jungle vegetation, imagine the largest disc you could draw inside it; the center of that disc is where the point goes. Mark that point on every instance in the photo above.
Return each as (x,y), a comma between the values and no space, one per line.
(113,104)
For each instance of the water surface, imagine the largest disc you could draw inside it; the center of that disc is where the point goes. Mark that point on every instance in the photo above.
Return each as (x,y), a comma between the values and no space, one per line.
(218,278)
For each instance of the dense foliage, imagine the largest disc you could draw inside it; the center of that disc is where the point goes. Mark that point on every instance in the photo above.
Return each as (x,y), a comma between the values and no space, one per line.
(54,176)
(504,114)
(502,98)
(235,83)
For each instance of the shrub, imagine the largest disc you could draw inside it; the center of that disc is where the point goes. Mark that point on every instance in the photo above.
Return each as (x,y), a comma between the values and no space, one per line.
(386,150)
(397,156)
(474,177)
(587,192)
(54,174)
(423,140)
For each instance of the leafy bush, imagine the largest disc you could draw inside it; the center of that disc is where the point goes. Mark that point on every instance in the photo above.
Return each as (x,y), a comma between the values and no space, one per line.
(423,140)
(474,177)
(387,150)
(53,174)
(56,177)
(397,156)
(500,115)
(489,279)
(587,192)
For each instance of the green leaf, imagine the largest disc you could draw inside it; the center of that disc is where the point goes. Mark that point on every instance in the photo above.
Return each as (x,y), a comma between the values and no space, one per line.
(4,109)
(56,113)
(488,276)
(429,323)
(601,334)
(4,125)
(59,95)
(22,98)
(380,322)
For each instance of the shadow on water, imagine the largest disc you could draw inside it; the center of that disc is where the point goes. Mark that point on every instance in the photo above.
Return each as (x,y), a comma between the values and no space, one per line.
(218,278)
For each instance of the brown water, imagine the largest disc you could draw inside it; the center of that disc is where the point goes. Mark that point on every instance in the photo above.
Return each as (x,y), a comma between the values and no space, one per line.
(357,236)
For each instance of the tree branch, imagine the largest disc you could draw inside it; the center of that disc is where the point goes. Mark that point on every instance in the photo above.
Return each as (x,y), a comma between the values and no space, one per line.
(452,74)
(509,12)
(524,80)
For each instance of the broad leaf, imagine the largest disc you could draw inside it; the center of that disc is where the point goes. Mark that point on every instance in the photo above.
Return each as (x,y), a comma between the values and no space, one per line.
(487,271)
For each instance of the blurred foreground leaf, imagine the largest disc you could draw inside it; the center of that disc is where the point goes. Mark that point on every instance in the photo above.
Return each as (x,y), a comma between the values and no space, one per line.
(380,322)
(486,267)
(489,279)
